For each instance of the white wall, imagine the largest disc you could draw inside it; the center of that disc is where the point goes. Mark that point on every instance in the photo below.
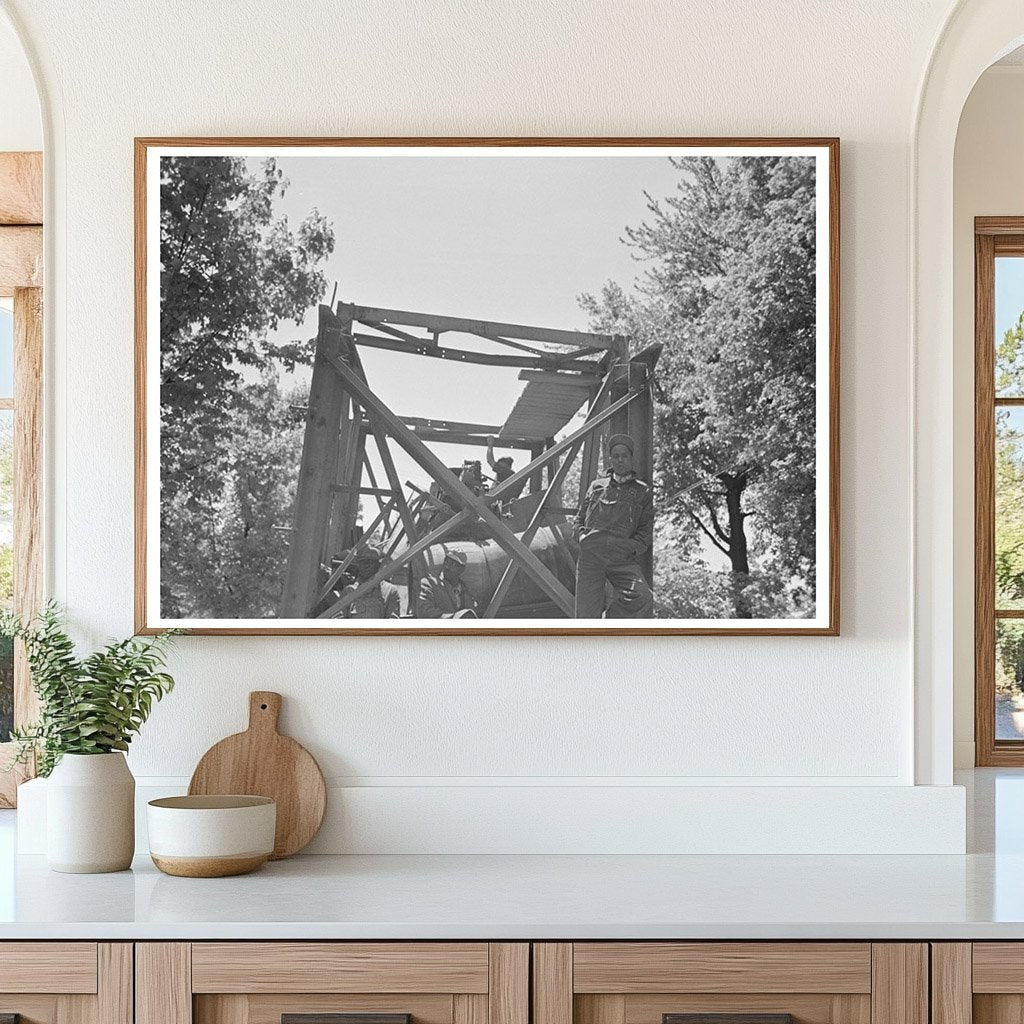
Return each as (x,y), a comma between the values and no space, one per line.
(987,182)
(21,127)
(432,715)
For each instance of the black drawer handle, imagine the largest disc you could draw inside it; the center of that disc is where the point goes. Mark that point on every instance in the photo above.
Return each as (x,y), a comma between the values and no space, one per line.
(339,1018)
(727,1018)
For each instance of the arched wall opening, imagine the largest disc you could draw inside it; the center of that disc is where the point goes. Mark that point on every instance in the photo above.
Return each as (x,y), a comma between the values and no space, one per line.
(976,34)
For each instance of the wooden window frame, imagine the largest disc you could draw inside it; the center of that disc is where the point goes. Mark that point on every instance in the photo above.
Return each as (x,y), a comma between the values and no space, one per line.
(21,278)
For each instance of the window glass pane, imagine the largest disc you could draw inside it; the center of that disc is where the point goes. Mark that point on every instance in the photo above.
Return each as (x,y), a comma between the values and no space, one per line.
(6,353)
(1009,679)
(1009,539)
(6,567)
(1009,322)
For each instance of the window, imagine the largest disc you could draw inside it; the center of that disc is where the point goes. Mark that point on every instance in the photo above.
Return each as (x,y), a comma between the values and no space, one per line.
(999,490)
(21,319)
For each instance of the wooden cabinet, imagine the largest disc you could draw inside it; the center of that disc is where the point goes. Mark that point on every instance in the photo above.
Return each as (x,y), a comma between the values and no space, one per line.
(306,982)
(979,982)
(755,982)
(66,982)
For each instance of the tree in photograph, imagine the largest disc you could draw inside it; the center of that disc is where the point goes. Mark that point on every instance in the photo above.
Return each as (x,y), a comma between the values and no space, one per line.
(231,272)
(729,289)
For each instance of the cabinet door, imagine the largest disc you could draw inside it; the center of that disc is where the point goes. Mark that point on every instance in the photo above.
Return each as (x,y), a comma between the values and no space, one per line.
(730,983)
(66,982)
(980,982)
(332,983)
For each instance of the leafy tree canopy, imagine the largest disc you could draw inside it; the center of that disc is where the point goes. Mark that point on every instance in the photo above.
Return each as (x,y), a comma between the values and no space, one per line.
(729,289)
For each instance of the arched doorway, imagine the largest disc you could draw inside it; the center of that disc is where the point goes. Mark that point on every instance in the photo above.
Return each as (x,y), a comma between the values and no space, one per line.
(975,35)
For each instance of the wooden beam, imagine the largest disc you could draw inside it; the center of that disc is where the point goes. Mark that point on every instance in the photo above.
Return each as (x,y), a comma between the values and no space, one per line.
(515,344)
(21,259)
(469,428)
(461,355)
(487,328)
(588,427)
(350,557)
(458,491)
(509,575)
(382,492)
(396,333)
(404,558)
(480,440)
(572,380)
(21,188)
(316,475)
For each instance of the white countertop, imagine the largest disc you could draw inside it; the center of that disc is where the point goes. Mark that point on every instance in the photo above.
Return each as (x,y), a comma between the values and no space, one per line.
(977,896)
(517,897)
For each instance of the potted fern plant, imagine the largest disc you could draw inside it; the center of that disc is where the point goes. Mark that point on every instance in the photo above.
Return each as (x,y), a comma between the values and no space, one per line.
(90,708)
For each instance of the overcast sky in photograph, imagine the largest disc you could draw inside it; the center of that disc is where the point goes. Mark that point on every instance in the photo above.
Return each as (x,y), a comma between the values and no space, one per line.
(512,239)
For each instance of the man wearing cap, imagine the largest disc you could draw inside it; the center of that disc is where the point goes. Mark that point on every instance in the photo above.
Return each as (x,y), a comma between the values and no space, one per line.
(380,601)
(615,526)
(444,595)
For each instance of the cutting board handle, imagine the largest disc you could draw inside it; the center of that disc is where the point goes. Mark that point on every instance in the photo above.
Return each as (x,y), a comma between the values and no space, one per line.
(264,710)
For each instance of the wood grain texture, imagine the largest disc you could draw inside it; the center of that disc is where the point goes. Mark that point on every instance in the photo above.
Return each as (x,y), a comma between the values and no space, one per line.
(21,188)
(998,1009)
(262,762)
(508,994)
(163,983)
(225,1009)
(468,1009)
(899,990)
(31,1009)
(28,483)
(805,1008)
(984,501)
(76,1009)
(65,967)
(304,967)
(951,983)
(552,983)
(603,1009)
(115,996)
(633,967)
(998,967)
(831,144)
(21,259)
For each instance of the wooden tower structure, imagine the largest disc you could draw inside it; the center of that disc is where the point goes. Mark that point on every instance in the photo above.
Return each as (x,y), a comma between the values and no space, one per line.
(564,373)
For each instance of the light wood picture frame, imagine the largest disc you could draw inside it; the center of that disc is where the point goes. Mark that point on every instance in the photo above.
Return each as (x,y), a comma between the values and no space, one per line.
(723,518)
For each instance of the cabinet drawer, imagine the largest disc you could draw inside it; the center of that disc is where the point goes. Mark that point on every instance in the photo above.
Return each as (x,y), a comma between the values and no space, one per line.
(332,983)
(340,967)
(66,982)
(730,983)
(750,967)
(66,967)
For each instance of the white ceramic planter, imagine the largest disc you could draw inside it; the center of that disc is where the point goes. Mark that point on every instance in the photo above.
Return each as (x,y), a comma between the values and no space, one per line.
(90,814)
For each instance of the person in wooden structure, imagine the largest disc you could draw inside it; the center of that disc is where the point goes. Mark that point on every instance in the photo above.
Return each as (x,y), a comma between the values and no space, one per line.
(444,595)
(614,527)
(381,601)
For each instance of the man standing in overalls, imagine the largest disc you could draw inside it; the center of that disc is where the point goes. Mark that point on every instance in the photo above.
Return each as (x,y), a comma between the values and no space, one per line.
(615,526)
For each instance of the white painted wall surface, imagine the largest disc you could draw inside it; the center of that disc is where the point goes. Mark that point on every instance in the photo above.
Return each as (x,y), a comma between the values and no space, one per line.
(987,182)
(430,716)
(21,127)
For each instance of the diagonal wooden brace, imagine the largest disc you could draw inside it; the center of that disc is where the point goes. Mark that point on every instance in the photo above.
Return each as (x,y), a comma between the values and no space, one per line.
(458,491)
(555,450)
(392,567)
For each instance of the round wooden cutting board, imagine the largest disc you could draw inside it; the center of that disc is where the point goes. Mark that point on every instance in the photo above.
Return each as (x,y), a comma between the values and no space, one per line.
(262,762)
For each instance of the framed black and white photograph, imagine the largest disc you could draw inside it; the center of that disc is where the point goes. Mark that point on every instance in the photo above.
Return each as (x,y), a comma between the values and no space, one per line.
(559,386)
